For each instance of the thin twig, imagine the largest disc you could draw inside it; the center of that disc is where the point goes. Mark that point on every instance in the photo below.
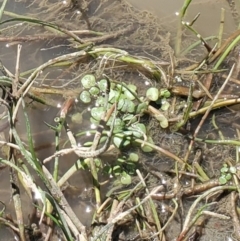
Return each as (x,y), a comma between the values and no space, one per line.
(16,79)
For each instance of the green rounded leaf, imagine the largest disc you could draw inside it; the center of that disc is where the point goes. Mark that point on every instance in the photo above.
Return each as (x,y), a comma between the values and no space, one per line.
(126,143)
(103,139)
(97,112)
(117,141)
(127,106)
(120,142)
(116,170)
(152,94)
(94,91)
(138,130)
(128,94)
(228,176)
(141,127)
(121,161)
(118,125)
(98,162)
(102,84)
(133,157)
(147,148)
(233,170)
(164,123)
(164,93)
(124,106)
(224,169)
(132,87)
(162,119)
(126,179)
(165,105)
(141,108)
(128,117)
(117,122)
(112,96)
(131,107)
(85,97)
(222,180)
(88,81)
(128,133)
(137,134)
(120,104)
(100,101)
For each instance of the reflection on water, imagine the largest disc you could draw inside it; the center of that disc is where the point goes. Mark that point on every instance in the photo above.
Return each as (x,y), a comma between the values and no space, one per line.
(208,22)
(33,54)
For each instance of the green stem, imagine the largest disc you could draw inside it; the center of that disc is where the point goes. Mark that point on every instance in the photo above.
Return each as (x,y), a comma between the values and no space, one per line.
(2,8)
(226,52)
(220,142)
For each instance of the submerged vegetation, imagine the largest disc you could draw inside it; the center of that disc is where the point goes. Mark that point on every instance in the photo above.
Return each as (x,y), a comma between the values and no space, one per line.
(146,118)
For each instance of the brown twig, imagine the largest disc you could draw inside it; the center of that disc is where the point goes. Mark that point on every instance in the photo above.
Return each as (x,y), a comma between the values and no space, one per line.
(187,191)
(224,46)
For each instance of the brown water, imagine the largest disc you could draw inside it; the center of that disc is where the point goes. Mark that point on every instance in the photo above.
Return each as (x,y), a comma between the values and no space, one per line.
(208,22)
(34,54)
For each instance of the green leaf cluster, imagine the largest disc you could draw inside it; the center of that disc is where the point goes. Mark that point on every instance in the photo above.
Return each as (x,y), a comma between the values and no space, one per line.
(123,168)
(92,88)
(226,173)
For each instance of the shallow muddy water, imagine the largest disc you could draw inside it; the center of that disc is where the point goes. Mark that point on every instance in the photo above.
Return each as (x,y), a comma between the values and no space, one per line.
(36,53)
(208,22)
